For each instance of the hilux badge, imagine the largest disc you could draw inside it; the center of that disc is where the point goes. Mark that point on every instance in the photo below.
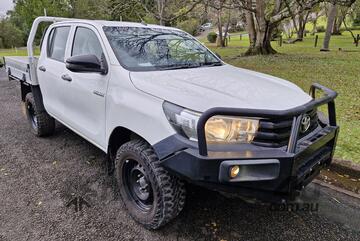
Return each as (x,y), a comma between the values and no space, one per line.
(305,123)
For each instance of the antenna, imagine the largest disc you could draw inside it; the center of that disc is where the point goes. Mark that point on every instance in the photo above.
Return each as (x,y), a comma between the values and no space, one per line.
(45,12)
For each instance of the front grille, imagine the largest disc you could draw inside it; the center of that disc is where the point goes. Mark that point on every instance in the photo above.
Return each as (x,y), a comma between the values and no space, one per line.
(276,132)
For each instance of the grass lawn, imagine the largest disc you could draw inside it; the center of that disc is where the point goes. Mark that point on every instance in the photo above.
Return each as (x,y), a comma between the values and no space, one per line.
(304,64)
(15,52)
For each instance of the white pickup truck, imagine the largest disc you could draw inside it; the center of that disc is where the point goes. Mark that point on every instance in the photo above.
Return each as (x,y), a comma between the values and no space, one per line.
(168,111)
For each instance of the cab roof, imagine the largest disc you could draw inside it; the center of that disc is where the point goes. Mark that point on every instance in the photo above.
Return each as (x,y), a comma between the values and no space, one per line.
(102,23)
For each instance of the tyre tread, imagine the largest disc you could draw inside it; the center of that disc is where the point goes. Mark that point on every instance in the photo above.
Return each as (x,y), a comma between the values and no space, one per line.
(45,123)
(170,189)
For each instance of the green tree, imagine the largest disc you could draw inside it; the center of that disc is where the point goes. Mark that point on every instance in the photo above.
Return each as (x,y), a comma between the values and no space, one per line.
(355,14)
(89,9)
(25,11)
(10,35)
(128,10)
(166,12)
(264,17)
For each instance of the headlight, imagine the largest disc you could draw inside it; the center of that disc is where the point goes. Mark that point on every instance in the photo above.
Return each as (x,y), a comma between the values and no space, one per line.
(184,121)
(230,129)
(218,129)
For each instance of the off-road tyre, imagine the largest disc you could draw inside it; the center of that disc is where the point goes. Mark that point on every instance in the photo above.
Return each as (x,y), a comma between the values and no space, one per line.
(41,123)
(168,191)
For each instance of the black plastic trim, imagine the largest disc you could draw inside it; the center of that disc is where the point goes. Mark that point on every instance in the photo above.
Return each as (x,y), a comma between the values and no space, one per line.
(296,169)
(35,89)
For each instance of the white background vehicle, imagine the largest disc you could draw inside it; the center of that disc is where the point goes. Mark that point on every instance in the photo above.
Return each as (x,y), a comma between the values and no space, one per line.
(167,111)
(206,26)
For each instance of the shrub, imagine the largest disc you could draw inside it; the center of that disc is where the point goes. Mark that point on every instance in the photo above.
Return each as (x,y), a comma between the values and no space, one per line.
(350,27)
(320,29)
(191,26)
(276,34)
(211,37)
(356,21)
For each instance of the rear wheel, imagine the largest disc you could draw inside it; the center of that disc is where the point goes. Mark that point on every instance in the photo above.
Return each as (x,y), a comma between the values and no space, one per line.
(42,124)
(152,196)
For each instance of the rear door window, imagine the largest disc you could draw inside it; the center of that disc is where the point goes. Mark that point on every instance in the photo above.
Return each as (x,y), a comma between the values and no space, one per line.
(57,43)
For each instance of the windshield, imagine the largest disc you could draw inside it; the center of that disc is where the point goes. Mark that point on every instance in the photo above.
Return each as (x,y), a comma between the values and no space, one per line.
(143,49)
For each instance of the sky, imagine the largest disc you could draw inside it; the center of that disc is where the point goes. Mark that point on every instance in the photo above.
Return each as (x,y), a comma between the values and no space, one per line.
(5,5)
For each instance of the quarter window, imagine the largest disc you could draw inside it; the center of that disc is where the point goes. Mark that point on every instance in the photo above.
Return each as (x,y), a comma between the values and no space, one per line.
(57,43)
(86,42)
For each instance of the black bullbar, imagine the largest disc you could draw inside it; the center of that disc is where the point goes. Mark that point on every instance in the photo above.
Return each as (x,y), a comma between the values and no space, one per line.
(296,113)
(263,172)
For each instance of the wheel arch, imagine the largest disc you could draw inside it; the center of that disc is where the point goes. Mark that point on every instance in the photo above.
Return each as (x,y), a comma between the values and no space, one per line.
(119,136)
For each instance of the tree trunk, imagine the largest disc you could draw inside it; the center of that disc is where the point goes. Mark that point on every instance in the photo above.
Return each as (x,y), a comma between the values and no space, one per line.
(263,33)
(300,34)
(302,24)
(329,28)
(225,41)
(263,43)
(337,25)
(161,8)
(161,21)
(315,26)
(250,28)
(219,39)
(295,24)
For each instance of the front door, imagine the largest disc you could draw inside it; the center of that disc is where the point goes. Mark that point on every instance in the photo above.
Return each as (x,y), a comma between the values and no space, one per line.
(84,93)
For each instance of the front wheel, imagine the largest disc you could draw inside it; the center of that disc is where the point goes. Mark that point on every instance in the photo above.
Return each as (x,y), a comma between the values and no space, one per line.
(42,124)
(152,196)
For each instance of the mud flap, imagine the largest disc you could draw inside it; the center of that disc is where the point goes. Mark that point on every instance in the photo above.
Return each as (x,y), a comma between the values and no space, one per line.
(35,89)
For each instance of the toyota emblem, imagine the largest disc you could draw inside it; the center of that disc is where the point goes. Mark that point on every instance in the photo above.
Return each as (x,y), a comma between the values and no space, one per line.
(305,123)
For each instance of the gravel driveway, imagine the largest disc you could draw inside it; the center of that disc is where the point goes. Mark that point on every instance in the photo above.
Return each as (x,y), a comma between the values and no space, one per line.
(39,176)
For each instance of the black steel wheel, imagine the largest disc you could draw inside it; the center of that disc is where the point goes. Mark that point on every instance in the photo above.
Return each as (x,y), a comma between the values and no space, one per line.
(138,186)
(152,196)
(31,115)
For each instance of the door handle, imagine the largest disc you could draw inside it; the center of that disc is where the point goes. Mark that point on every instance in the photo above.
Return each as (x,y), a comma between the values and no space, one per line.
(66,77)
(42,68)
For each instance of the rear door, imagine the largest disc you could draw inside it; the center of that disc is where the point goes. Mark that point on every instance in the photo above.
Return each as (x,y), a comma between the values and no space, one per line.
(84,93)
(51,65)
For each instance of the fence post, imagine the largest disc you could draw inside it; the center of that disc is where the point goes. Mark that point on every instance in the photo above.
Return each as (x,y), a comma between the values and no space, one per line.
(280,41)
(316,40)
(357,40)
(240,36)
(229,38)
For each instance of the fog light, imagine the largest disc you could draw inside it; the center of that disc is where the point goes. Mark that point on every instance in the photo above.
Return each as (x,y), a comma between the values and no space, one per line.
(234,171)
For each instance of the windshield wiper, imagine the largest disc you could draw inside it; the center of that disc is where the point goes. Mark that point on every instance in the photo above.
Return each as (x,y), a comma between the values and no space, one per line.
(217,63)
(188,66)
(178,66)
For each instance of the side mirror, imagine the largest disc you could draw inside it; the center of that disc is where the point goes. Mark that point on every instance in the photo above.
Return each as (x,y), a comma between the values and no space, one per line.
(86,63)
(218,55)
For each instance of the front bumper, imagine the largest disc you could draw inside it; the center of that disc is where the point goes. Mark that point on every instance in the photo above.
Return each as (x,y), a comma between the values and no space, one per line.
(270,174)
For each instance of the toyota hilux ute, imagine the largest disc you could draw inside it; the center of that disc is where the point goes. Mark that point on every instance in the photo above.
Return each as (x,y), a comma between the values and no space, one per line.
(168,111)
